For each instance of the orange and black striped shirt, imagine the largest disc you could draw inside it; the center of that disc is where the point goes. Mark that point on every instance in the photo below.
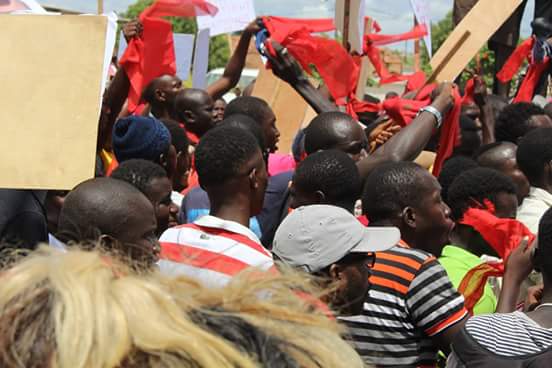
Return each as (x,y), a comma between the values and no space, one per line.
(411,299)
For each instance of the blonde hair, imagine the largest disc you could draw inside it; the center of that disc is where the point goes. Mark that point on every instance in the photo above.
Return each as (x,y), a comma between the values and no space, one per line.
(83,309)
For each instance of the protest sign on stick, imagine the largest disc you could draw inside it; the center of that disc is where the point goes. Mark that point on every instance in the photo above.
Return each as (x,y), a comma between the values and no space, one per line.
(201,59)
(469,36)
(51,99)
(233,16)
(422,16)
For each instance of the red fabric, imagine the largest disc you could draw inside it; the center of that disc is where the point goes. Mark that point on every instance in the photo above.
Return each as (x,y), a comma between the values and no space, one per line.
(527,89)
(415,81)
(514,62)
(504,235)
(472,285)
(371,50)
(148,57)
(469,90)
(280,27)
(449,134)
(180,8)
(403,111)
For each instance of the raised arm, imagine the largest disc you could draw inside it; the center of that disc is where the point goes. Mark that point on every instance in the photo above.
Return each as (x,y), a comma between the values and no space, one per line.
(407,144)
(487,116)
(233,70)
(116,94)
(286,68)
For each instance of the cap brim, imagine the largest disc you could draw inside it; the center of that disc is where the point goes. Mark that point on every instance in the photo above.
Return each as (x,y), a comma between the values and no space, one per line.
(377,239)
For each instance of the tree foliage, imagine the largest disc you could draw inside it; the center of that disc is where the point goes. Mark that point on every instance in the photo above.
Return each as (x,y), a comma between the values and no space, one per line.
(218,47)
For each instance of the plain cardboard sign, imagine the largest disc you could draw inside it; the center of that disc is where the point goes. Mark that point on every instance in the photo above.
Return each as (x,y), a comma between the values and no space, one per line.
(50,99)
(469,36)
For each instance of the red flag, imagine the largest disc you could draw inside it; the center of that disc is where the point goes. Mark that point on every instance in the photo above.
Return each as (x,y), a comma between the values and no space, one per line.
(449,134)
(527,89)
(503,235)
(148,57)
(180,8)
(469,90)
(514,62)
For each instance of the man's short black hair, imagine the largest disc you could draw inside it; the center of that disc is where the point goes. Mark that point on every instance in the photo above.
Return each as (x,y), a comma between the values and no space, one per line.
(221,154)
(474,186)
(139,173)
(334,173)
(254,107)
(453,167)
(534,152)
(320,134)
(392,187)
(513,121)
(544,257)
(246,123)
(179,138)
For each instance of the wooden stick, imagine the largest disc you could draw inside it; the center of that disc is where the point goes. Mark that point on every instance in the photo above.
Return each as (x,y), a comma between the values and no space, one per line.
(100,6)
(346,22)
(416,49)
(365,66)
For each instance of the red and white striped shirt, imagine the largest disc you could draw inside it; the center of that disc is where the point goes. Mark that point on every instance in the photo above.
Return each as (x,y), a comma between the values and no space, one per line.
(212,251)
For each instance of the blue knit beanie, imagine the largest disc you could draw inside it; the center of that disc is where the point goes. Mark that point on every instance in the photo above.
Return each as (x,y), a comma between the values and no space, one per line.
(140,137)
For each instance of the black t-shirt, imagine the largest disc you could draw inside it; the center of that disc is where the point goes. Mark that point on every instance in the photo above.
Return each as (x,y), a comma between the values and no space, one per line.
(22,218)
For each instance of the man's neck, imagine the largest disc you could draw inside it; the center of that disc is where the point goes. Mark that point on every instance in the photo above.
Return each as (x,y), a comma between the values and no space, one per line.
(160,112)
(406,235)
(231,210)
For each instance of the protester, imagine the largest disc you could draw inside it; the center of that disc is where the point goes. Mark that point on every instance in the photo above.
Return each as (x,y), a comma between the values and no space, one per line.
(513,339)
(329,242)
(151,179)
(196,203)
(87,309)
(113,213)
(160,95)
(23,218)
(470,137)
(144,138)
(533,156)
(181,145)
(327,177)
(410,290)
(261,113)
(452,168)
(218,110)
(476,188)
(518,119)
(214,248)
(194,107)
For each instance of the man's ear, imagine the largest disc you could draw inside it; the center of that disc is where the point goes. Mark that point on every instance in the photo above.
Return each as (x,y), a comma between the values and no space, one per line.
(408,216)
(320,196)
(335,272)
(253,181)
(160,95)
(189,116)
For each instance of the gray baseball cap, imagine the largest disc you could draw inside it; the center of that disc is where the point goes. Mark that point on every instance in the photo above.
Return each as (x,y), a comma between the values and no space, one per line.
(314,237)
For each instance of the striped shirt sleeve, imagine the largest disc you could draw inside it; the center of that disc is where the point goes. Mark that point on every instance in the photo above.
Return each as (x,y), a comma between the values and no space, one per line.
(433,302)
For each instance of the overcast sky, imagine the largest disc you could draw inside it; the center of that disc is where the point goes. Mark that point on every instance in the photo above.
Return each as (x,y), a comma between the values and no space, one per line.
(395,17)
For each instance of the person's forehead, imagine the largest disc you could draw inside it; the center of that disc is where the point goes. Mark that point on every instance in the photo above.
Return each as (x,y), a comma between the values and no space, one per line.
(160,185)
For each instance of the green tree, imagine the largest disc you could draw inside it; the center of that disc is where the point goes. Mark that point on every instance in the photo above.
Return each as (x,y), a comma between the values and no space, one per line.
(219,51)
(439,33)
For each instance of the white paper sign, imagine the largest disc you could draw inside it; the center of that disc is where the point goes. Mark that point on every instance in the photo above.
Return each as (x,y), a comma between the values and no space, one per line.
(232,16)
(356,22)
(201,59)
(422,13)
(21,7)
(183,50)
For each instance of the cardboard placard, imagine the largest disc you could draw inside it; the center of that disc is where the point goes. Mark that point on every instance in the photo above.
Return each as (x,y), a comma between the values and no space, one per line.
(469,36)
(201,59)
(233,16)
(51,99)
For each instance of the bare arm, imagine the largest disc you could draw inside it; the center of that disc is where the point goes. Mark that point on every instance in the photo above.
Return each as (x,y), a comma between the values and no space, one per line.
(487,114)
(286,68)
(116,94)
(407,144)
(233,70)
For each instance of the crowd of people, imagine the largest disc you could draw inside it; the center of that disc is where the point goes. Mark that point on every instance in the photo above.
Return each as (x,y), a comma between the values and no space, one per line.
(198,244)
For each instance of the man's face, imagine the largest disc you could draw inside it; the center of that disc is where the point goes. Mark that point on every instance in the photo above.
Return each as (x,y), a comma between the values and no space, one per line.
(204,114)
(432,216)
(354,284)
(218,110)
(271,132)
(168,89)
(353,140)
(183,164)
(511,169)
(138,238)
(159,193)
